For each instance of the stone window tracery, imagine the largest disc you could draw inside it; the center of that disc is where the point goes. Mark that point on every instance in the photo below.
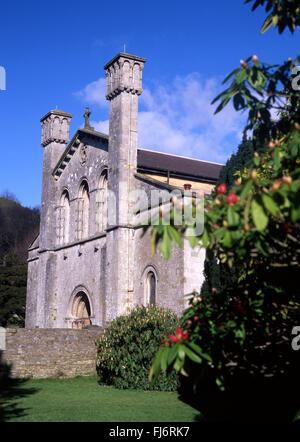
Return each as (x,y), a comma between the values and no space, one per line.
(150,288)
(63,219)
(101,203)
(83,208)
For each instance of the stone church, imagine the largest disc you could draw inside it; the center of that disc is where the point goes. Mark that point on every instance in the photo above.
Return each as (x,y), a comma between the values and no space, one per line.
(87,267)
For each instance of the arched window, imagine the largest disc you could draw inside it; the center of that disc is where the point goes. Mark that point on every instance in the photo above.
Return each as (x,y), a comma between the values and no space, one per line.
(83,209)
(63,221)
(151,288)
(101,203)
(81,311)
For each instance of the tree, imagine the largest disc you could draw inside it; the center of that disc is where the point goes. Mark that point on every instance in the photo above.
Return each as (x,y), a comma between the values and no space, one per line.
(18,228)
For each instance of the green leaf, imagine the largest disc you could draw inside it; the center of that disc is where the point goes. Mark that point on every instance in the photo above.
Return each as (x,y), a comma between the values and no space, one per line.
(174,234)
(155,368)
(220,384)
(258,214)
(190,354)
(205,238)
(238,102)
(295,214)
(267,24)
(223,103)
(227,240)
(192,237)
(275,20)
(178,364)
(246,189)
(153,241)
(164,358)
(166,244)
(181,352)
(219,234)
(199,351)
(270,204)
(172,354)
(256,161)
(230,75)
(232,217)
(295,186)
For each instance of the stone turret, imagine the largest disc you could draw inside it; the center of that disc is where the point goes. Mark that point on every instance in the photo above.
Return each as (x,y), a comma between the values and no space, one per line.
(124,73)
(55,136)
(124,85)
(55,127)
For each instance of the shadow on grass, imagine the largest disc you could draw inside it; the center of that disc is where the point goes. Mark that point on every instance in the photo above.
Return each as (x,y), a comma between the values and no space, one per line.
(10,391)
(270,401)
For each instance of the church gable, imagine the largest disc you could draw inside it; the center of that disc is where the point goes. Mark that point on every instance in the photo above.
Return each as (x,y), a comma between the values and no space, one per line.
(81,147)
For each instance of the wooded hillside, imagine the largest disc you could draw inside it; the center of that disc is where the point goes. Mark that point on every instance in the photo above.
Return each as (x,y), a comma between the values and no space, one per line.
(18,228)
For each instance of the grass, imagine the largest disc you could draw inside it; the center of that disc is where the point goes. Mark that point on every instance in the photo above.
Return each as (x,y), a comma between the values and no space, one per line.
(83,400)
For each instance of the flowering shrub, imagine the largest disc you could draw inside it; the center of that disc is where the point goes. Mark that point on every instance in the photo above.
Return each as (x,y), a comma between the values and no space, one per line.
(246,328)
(255,225)
(244,331)
(128,346)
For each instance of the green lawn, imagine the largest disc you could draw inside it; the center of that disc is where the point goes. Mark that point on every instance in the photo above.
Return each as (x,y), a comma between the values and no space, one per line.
(83,400)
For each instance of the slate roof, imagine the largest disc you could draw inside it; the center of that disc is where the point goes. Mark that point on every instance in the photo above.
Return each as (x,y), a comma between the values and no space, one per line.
(160,162)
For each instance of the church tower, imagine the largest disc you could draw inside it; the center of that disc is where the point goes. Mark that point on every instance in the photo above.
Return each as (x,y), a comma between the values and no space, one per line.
(124,85)
(55,136)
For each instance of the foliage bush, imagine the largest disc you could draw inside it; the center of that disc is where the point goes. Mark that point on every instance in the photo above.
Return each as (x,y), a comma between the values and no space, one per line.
(128,346)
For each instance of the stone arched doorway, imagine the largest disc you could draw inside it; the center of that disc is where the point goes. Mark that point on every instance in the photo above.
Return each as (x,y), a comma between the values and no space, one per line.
(81,311)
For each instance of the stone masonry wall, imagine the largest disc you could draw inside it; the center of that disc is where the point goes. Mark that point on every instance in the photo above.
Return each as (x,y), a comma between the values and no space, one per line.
(51,353)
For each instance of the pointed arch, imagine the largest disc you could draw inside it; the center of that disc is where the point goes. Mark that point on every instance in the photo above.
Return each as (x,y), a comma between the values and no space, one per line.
(150,279)
(80,310)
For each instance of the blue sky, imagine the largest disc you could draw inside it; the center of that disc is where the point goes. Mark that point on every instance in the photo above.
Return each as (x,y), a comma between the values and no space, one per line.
(54,53)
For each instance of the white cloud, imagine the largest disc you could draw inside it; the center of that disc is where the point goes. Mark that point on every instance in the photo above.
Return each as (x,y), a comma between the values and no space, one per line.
(94,93)
(178,118)
(101,126)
